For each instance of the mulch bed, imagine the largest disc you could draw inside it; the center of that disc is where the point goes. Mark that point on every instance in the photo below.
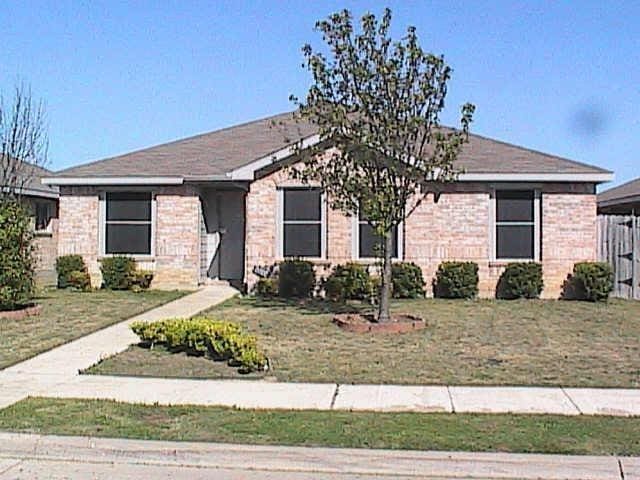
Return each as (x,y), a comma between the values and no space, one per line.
(24,312)
(359,323)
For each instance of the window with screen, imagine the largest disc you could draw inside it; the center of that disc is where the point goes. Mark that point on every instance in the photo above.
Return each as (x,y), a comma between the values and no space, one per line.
(369,244)
(128,223)
(302,223)
(515,225)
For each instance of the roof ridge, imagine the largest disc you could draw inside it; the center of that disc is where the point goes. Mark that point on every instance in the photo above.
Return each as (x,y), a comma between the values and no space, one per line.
(173,142)
(540,152)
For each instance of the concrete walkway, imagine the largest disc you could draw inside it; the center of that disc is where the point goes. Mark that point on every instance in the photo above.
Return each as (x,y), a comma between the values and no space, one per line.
(40,375)
(55,374)
(51,457)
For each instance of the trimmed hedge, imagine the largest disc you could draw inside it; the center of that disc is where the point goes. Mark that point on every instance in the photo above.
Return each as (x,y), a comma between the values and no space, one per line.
(456,280)
(407,280)
(520,280)
(592,281)
(68,266)
(121,273)
(296,279)
(17,256)
(267,287)
(117,272)
(219,340)
(350,281)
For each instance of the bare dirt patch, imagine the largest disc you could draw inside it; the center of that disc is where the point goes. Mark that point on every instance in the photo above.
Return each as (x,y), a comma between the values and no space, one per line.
(366,323)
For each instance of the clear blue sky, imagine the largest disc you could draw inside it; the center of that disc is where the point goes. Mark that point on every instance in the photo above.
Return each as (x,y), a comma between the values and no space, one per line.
(561,77)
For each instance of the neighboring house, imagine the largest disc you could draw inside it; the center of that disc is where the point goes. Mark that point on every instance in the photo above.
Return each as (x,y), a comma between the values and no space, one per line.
(43,202)
(621,200)
(220,206)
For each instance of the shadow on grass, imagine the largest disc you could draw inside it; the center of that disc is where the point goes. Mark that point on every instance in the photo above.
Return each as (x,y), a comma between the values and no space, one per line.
(311,306)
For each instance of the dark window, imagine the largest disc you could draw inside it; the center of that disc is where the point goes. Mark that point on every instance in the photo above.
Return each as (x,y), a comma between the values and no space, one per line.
(369,244)
(302,218)
(128,223)
(515,224)
(44,212)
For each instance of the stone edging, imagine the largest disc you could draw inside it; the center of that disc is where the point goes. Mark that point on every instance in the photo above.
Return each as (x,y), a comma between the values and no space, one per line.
(22,313)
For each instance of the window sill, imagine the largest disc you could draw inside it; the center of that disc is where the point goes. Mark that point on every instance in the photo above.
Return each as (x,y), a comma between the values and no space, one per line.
(315,261)
(137,258)
(42,234)
(504,263)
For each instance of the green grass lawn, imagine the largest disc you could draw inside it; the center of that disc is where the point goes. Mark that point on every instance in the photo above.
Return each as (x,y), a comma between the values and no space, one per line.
(415,431)
(68,315)
(483,342)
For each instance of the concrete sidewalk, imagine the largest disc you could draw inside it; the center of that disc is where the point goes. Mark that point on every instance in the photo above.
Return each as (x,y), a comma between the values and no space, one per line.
(55,374)
(43,372)
(35,456)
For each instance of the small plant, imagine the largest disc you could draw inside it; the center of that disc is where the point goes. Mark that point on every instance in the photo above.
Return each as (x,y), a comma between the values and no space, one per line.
(296,279)
(66,265)
(118,272)
(407,280)
(141,280)
(267,287)
(456,280)
(79,280)
(520,280)
(592,281)
(219,340)
(348,282)
(17,260)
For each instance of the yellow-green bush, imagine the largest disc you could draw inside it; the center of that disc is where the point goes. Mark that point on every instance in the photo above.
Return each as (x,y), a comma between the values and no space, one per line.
(219,340)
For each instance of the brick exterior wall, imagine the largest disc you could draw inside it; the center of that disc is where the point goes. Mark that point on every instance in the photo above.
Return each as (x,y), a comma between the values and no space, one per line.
(177,234)
(46,242)
(456,227)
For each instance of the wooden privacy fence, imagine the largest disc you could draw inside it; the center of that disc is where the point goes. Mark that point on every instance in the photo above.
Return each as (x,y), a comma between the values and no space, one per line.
(619,245)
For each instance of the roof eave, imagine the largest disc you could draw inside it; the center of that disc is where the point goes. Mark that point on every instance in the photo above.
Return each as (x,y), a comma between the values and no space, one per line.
(121,180)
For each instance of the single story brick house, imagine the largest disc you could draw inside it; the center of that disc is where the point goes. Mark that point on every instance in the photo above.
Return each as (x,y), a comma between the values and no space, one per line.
(621,200)
(220,206)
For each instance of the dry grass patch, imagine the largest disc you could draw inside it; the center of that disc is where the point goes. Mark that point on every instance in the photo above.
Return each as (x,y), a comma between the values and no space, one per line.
(482,342)
(68,315)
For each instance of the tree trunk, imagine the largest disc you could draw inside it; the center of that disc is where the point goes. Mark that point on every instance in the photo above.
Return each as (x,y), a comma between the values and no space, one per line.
(385,288)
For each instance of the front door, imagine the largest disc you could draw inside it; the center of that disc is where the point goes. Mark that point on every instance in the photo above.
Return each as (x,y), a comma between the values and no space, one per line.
(231,228)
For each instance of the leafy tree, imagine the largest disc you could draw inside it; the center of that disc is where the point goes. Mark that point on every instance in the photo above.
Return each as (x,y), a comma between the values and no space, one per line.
(17,261)
(378,102)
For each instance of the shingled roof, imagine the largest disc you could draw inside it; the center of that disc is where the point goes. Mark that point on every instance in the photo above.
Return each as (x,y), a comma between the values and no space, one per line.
(218,153)
(625,193)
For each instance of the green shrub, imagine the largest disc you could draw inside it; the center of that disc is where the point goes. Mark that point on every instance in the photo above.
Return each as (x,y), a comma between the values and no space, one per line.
(592,281)
(520,280)
(296,278)
(267,287)
(348,282)
(118,272)
(17,260)
(65,265)
(79,280)
(456,280)
(141,280)
(407,280)
(219,340)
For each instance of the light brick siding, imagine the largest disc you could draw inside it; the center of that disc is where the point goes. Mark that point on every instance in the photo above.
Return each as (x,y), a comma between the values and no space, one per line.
(569,232)
(177,239)
(45,241)
(456,227)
